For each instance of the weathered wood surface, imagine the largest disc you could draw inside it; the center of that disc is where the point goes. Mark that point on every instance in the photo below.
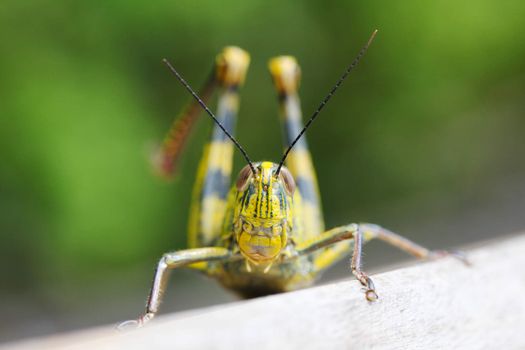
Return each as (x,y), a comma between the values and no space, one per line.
(434,305)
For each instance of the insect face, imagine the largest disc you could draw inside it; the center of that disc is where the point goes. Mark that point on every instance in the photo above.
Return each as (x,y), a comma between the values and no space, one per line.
(262,220)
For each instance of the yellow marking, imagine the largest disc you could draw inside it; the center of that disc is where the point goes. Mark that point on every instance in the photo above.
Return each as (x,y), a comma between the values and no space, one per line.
(266,168)
(232,64)
(368,235)
(211,217)
(312,219)
(286,73)
(299,162)
(259,248)
(248,265)
(331,255)
(267,268)
(277,210)
(250,208)
(220,155)
(199,266)
(338,251)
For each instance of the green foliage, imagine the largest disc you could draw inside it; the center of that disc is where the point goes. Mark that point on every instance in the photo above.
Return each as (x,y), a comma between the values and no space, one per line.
(435,108)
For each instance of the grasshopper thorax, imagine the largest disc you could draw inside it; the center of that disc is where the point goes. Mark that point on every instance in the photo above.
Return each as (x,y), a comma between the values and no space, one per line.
(263,213)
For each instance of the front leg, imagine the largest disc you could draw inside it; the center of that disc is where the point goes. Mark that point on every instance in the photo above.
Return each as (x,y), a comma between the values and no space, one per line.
(360,234)
(170,261)
(352,231)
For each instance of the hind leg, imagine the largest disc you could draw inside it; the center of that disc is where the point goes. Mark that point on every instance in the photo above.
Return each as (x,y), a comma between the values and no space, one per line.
(212,183)
(285,72)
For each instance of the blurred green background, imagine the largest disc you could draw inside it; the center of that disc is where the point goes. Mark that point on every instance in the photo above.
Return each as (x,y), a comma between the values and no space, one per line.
(426,136)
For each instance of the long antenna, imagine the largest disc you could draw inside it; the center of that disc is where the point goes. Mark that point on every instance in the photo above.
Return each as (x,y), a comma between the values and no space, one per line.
(327,98)
(210,113)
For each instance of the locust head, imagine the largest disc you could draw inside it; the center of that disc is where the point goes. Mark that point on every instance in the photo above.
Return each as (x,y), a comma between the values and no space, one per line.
(262,219)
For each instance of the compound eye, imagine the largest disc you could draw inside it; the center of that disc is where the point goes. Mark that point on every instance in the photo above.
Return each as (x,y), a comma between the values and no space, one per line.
(289,183)
(244,178)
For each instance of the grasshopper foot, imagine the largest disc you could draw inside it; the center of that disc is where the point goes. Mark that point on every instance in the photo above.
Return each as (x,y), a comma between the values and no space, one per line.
(371,295)
(134,324)
(370,290)
(456,254)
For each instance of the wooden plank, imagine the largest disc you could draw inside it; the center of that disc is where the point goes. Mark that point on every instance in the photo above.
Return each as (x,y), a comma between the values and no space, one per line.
(434,305)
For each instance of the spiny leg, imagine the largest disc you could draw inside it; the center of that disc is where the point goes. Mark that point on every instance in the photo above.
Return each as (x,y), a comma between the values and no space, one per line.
(335,235)
(286,74)
(165,161)
(213,175)
(170,261)
(355,265)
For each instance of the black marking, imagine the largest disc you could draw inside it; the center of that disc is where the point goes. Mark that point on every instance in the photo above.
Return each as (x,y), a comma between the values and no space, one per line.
(216,183)
(234,88)
(284,203)
(266,196)
(228,121)
(257,205)
(266,189)
(292,126)
(271,200)
(250,195)
(281,200)
(243,200)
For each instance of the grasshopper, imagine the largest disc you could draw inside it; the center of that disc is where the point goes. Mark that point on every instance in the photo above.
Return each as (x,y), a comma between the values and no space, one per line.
(266,234)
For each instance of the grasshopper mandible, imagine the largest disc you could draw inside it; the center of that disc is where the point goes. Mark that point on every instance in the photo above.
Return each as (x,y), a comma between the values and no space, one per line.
(266,235)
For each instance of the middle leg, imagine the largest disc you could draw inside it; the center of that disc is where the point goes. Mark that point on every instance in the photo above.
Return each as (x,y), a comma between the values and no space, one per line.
(169,261)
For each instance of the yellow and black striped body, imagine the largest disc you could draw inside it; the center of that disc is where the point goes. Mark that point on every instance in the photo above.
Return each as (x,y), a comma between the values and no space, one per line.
(261,221)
